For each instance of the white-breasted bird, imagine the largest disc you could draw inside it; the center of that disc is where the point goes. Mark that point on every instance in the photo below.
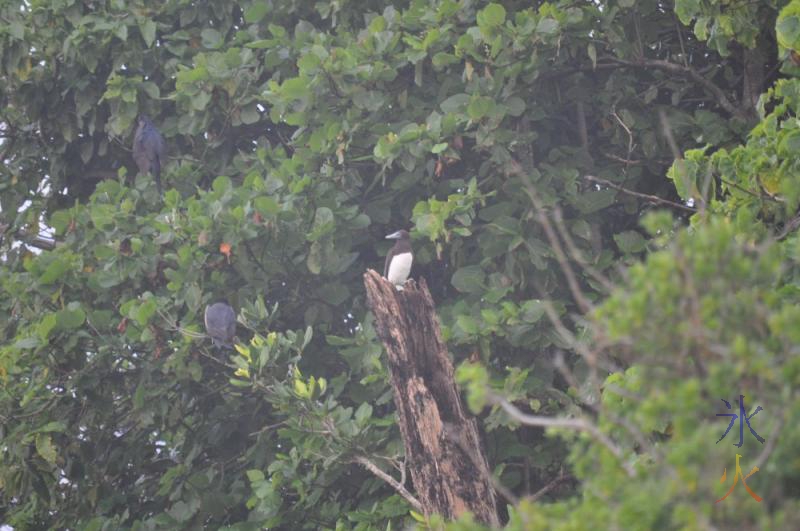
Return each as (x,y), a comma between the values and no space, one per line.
(398,259)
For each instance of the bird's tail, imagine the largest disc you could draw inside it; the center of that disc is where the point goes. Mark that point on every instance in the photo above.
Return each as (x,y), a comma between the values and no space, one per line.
(157,175)
(221,344)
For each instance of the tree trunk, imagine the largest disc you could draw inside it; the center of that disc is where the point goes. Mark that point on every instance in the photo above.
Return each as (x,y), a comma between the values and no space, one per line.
(753,80)
(442,445)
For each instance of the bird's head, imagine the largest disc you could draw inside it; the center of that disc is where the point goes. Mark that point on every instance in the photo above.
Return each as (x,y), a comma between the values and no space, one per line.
(399,235)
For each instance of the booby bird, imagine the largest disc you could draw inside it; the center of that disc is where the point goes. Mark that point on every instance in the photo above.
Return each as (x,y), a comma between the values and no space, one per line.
(220,321)
(148,149)
(399,259)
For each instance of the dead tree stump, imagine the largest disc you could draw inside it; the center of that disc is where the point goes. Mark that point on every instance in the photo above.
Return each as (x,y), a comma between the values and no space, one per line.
(443,449)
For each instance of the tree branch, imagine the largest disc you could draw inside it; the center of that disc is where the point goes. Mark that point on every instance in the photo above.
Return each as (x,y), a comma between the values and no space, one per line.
(40,242)
(577,294)
(569,423)
(789,227)
(399,488)
(646,197)
(688,72)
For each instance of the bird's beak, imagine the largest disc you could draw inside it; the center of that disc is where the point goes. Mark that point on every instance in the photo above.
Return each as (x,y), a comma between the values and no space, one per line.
(394,236)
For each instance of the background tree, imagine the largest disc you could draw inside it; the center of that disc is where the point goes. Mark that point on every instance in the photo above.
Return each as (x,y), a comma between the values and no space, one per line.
(523,144)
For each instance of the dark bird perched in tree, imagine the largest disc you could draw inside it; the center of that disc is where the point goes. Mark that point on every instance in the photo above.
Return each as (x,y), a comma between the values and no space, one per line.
(148,149)
(220,321)
(398,259)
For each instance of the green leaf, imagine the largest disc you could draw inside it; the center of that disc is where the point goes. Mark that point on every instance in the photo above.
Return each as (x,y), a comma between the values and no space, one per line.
(468,324)
(46,449)
(255,475)
(54,271)
(71,318)
(200,100)
(516,105)
(148,30)
(145,311)
(266,205)
(630,241)
(480,107)
(16,30)
(51,427)
(492,15)
(363,414)
(221,184)
(212,38)
(323,224)
(547,26)
(301,389)
(455,103)
(314,260)
(60,220)
(182,511)
(592,52)
(595,200)
(28,342)
(469,279)
(532,311)
(257,11)
(46,325)
(438,148)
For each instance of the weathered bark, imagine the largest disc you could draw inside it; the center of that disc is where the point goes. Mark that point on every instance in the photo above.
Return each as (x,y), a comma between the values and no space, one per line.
(442,445)
(755,61)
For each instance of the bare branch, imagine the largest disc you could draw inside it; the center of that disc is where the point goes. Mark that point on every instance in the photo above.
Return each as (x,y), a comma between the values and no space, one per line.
(688,72)
(399,488)
(576,253)
(789,227)
(580,115)
(577,294)
(627,130)
(38,241)
(577,424)
(667,131)
(544,490)
(647,197)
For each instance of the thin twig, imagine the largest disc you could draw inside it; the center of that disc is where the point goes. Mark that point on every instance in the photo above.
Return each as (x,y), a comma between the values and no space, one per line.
(203,353)
(583,303)
(268,428)
(400,489)
(576,253)
(789,227)
(577,424)
(745,190)
(666,129)
(627,130)
(544,490)
(646,197)
(685,71)
(580,115)
(621,159)
(773,437)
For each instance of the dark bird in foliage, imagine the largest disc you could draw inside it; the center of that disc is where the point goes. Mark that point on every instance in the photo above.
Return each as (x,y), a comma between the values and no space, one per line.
(220,322)
(399,259)
(148,149)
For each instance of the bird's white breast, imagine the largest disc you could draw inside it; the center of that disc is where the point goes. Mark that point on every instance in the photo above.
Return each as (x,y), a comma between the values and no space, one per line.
(399,268)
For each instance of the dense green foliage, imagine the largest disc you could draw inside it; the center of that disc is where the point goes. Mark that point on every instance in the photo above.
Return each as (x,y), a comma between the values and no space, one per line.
(299,134)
